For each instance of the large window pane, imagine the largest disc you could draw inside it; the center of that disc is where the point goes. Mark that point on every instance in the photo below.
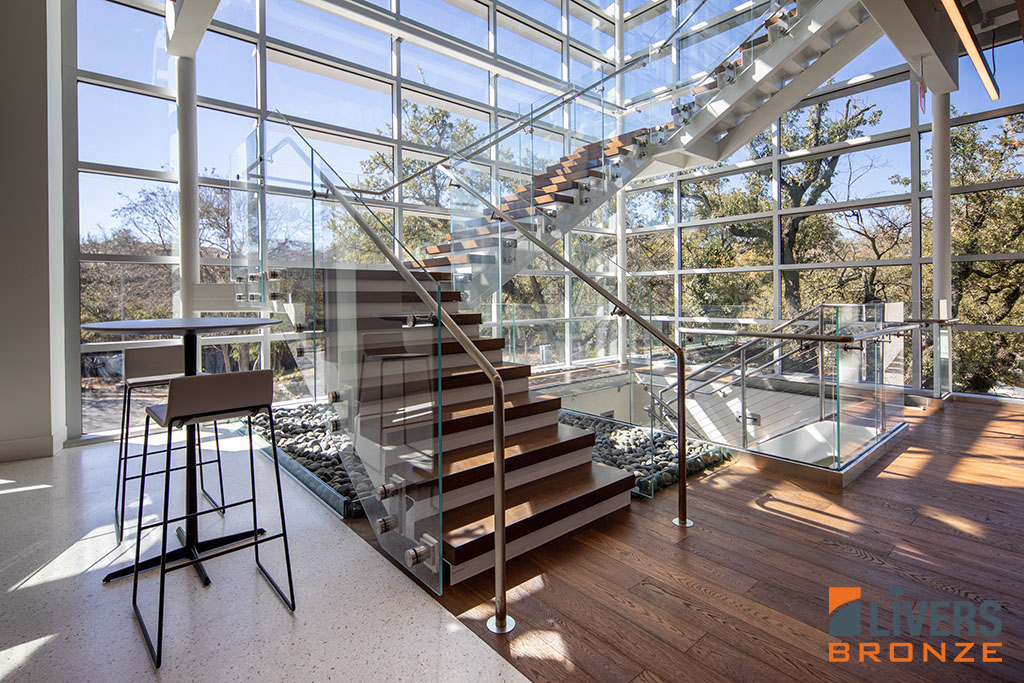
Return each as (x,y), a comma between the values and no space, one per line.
(650,251)
(421,65)
(220,134)
(125,129)
(296,22)
(989,292)
(871,234)
(521,43)
(125,291)
(738,295)
(545,11)
(590,29)
(226,69)
(594,339)
(651,207)
(651,295)
(735,194)
(871,111)
(123,42)
(971,96)
(126,216)
(465,19)
(990,222)
(874,172)
(238,12)
(437,123)
(804,289)
(320,93)
(727,245)
(988,362)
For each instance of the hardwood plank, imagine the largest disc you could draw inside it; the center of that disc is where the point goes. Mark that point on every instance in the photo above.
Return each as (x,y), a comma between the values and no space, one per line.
(743,594)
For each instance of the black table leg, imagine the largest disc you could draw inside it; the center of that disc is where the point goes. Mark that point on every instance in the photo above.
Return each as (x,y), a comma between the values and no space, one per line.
(190,538)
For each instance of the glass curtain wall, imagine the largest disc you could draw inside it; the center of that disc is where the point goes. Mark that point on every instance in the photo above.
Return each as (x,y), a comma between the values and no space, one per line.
(830,204)
(428,77)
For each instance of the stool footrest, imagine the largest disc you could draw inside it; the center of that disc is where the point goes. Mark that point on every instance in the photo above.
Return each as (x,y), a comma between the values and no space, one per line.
(225,551)
(175,520)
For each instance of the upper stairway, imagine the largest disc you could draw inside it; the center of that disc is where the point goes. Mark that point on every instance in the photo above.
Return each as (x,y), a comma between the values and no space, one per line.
(792,49)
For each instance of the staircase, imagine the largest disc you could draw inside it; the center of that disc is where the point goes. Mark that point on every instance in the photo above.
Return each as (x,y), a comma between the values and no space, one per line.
(791,52)
(424,435)
(422,428)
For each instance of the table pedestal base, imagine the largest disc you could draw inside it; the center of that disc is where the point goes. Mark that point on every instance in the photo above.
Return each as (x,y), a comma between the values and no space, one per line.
(186,552)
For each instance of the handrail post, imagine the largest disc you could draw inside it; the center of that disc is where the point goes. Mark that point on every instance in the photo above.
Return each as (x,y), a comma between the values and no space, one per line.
(500,622)
(743,398)
(682,520)
(821,364)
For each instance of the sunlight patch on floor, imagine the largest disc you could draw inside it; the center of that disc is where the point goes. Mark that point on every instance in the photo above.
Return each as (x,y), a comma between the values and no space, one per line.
(13,657)
(963,524)
(22,489)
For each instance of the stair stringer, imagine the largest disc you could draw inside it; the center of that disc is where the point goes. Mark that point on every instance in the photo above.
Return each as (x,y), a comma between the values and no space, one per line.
(842,27)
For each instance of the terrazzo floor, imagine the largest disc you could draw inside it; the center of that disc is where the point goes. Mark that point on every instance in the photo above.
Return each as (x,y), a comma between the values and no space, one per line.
(357,616)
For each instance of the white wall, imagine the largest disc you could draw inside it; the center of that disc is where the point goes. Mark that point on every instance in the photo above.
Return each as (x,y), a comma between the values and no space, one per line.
(32,415)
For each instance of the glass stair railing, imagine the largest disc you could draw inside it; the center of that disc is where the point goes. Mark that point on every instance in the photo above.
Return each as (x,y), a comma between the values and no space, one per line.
(819,389)
(417,417)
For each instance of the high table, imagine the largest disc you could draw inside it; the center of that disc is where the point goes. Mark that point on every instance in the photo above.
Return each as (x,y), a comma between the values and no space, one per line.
(189,329)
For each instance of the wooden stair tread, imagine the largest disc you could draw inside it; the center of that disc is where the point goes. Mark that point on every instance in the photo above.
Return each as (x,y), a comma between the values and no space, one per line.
(452,260)
(425,318)
(457,417)
(464,245)
(418,381)
(572,175)
(469,530)
(370,274)
(516,203)
(448,347)
(391,296)
(475,463)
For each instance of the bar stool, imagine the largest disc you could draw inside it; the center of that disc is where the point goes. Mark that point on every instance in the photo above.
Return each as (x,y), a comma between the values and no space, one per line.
(193,401)
(144,368)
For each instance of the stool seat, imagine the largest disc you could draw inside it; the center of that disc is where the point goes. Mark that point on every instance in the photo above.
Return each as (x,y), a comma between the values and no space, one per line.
(159,414)
(154,381)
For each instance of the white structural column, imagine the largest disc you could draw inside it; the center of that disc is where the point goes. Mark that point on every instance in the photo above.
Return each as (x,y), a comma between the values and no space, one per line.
(620,197)
(187,21)
(942,269)
(188,184)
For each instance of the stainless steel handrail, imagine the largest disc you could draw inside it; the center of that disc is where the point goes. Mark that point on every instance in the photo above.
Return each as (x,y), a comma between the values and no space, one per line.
(502,623)
(621,308)
(738,349)
(826,338)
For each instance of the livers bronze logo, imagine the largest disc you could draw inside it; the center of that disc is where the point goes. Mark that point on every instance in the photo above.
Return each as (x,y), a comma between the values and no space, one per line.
(968,626)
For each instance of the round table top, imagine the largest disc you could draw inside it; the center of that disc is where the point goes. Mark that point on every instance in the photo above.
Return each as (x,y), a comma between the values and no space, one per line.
(179,326)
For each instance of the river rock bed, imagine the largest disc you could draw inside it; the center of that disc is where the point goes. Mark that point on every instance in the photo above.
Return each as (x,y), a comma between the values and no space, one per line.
(649,454)
(304,437)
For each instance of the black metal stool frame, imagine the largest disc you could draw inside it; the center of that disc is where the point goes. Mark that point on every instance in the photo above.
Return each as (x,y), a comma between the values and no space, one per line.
(121,483)
(156,651)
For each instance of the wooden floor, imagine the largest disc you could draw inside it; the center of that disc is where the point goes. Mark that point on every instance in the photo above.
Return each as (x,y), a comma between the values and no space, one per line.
(742,596)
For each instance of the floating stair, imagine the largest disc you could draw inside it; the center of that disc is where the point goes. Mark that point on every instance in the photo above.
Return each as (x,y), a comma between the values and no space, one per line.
(407,407)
